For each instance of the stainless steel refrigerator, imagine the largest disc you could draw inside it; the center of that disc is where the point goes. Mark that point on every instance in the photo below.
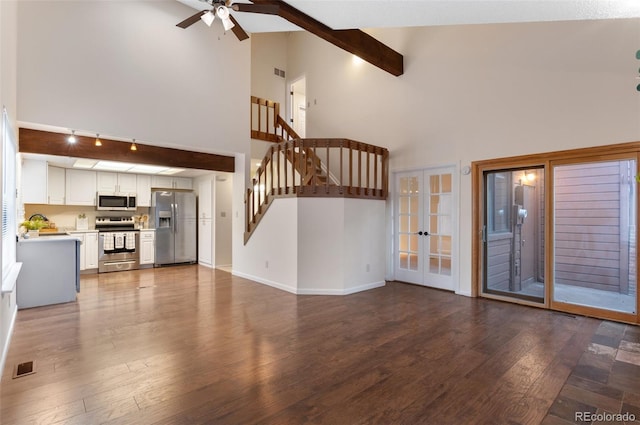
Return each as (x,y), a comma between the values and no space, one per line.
(175,219)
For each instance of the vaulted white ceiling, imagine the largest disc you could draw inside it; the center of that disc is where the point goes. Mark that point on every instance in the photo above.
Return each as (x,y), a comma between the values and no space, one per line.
(341,14)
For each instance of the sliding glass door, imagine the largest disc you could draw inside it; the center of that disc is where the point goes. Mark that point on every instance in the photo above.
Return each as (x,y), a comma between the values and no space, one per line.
(594,233)
(560,231)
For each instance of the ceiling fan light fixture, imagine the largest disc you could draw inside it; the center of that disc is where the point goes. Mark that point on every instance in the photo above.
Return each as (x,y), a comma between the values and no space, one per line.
(223,14)
(208,18)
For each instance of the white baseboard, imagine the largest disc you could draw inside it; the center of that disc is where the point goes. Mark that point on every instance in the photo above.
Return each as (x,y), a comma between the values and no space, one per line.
(265,282)
(464,293)
(7,343)
(310,291)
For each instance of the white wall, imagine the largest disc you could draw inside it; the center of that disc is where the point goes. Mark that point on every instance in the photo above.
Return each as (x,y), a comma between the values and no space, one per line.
(341,245)
(8,72)
(476,92)
(271,255)
(122,68)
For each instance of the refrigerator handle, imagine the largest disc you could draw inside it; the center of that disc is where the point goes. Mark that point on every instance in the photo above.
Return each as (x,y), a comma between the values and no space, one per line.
(174,210)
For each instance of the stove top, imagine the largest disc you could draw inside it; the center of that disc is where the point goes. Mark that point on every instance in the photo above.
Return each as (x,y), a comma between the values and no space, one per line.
(115,224)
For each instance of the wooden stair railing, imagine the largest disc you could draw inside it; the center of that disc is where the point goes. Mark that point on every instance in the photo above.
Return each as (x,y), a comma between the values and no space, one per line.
(360,171)
(269,126)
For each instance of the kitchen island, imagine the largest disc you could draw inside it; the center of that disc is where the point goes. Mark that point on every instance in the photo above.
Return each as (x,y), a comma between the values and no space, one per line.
(50,270)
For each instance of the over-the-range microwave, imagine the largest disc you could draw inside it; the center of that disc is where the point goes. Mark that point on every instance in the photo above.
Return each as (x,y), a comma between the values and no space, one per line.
(110,201)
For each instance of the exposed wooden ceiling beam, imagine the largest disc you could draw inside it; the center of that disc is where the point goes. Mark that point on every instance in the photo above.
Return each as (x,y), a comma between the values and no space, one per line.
(353,41)
(49,143)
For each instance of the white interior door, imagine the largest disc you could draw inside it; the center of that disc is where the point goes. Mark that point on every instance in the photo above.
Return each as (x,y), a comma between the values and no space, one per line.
(425,223)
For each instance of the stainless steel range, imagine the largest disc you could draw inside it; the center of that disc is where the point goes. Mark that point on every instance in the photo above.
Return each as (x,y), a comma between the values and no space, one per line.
(118,244)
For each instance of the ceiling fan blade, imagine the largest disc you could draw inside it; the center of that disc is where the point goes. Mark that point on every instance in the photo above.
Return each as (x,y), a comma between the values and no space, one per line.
(267,9)
(237,30)
(191,20)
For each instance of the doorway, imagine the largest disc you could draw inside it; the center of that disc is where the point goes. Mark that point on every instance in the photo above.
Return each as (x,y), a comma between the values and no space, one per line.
(298,106)
(425,223)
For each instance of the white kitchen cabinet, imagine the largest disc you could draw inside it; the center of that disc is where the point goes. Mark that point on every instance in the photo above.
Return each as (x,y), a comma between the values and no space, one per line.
(34,182)
(205,222)
(168,182)
(80,187)
(205,242)
(88,249)
(147,246)
(83,256)
(116,182)
(182,183)
(143,190)
(55,185)
(91,250)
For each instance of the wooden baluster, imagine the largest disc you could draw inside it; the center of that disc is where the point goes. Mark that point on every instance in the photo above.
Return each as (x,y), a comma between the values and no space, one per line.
(314,164)
(328,168)
(302,164)
(350,166)
(279,169)
(271,171)
(385,174)
(375,172)
(341,172)
(359,168)
(276,114)
(368,169)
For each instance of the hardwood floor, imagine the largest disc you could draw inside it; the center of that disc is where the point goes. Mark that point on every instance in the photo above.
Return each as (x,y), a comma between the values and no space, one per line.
(189,345)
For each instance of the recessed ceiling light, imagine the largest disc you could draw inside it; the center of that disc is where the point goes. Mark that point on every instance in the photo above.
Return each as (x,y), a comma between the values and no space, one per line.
(171,171)
(147,169)
(84,163)
(112,166)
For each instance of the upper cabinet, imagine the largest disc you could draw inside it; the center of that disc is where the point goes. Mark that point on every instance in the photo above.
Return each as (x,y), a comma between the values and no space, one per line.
(34,182)
(56,185)
(143,190)
(42,183)
(45,184)
(81,187)
(116,182)
(169,182)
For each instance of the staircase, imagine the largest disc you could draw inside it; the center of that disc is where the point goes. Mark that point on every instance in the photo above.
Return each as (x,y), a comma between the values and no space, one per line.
(297,167)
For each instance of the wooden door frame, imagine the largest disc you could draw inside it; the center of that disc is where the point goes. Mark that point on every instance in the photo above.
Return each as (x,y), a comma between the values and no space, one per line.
(546,160)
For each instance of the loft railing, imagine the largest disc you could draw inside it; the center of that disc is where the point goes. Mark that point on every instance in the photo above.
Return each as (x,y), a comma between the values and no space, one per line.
(266,122)
(317,168)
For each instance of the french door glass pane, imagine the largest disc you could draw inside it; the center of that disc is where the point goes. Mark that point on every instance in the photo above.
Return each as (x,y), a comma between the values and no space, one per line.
(409,208)
(594,235)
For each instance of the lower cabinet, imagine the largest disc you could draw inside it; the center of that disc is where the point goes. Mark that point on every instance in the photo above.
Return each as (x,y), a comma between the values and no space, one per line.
(147,246)
(88,250)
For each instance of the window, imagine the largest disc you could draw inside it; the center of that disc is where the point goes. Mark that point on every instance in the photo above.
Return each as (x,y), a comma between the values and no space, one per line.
(499,209)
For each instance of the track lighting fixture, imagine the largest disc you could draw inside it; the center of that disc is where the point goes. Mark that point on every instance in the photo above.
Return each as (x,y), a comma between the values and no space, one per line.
(98,142)
(133,145)
(72,139)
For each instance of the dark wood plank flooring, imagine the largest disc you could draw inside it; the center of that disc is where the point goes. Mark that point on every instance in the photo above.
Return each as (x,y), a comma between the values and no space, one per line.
(190,345)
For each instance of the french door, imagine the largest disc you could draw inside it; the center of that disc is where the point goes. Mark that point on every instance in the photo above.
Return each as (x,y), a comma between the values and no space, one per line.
(424,227)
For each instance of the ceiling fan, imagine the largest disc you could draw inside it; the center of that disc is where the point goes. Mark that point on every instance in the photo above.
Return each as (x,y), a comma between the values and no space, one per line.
(220,8)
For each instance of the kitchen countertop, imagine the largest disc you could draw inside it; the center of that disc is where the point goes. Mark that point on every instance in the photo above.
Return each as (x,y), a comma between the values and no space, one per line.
(51,238)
